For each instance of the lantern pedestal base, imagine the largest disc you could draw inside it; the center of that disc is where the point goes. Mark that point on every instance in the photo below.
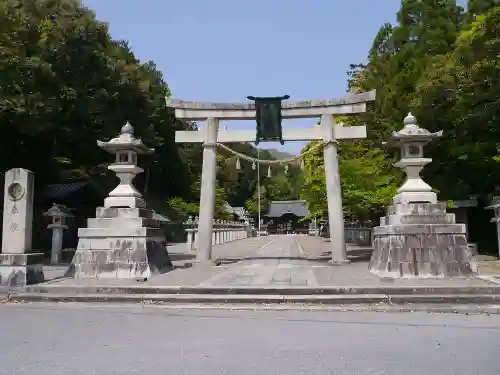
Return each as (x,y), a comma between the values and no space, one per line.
(18,270)
(420,240)
(121,243)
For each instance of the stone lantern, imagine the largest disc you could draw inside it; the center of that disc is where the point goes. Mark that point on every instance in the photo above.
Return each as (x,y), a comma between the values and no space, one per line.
(126,148)
(411,140)
(126,239)
(417,238)
(59,214)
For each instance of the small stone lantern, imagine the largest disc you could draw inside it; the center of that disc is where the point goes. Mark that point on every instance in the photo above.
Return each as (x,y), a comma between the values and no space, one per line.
(59,214)
(126,148)
(411,140)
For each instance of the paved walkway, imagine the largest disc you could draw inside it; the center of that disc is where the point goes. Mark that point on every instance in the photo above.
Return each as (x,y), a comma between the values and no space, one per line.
(279,262)
(270,261)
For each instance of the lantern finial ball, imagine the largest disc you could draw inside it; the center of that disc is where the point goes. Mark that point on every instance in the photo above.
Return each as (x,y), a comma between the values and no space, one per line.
(410,120)
(127,129)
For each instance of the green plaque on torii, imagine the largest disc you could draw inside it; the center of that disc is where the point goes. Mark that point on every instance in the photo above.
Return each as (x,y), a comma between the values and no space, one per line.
(268,116)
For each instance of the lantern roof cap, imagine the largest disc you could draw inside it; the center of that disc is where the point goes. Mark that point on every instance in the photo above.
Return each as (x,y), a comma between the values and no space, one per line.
(125,141)
(412,132)
(58,210)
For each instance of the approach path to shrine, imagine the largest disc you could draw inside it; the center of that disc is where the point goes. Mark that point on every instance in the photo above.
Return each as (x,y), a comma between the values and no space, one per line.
(276,261)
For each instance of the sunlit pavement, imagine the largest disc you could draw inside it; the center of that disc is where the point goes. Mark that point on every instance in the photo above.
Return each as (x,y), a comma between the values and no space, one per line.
(55,339)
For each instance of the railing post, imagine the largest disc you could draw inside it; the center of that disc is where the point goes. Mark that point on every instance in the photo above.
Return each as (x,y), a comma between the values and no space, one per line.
(233,231)
(189,233)
(214,233)
(224,228)
(195,230)
(217,233)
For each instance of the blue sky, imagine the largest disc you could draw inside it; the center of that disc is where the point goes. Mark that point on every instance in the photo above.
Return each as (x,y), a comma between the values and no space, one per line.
(225,50)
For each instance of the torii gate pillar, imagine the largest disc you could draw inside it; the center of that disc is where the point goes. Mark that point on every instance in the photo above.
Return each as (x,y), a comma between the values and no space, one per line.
(207,194)
(333,191)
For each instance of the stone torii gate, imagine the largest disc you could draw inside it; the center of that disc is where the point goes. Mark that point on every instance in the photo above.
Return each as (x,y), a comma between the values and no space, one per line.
(326,131)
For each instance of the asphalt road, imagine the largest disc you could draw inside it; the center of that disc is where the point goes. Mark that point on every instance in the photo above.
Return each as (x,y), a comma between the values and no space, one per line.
(86,339)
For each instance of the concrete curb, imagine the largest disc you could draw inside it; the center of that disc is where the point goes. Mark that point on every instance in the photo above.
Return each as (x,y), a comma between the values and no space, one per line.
(467,309)
(257,290)
(390,308)
(343,299)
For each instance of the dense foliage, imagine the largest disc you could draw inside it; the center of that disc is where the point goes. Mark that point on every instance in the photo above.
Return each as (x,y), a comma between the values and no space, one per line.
(366,179)
(64,83)
(442,63)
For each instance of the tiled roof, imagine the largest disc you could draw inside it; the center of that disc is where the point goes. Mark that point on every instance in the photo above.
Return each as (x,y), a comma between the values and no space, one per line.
(279,208)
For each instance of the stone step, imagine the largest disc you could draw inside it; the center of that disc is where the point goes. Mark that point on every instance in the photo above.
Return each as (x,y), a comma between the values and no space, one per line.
(434,218)
(263,290)
(123,222)
(257,299)
(420,229)
(431,218)
(416,209)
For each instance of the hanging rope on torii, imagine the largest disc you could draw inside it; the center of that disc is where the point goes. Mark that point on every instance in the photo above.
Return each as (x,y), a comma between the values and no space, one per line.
(270,163)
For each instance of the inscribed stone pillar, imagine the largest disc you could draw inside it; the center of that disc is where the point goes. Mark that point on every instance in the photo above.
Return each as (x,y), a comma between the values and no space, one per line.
(18,267)
(17,211)
(333,192)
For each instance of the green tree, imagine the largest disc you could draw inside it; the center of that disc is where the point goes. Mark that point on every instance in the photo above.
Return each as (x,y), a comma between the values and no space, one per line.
(282,187)
(64,83)
(399,55)
(478,7)
(459,94)
(240,184)
(180,210)
(221,206)
(367,180)
(252,204)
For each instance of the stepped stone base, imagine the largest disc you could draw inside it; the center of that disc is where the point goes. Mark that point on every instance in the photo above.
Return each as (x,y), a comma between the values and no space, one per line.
(120,243)
(420,240)
(18,270)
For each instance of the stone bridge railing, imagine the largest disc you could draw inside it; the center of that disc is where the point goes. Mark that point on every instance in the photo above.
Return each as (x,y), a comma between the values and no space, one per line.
(224,231)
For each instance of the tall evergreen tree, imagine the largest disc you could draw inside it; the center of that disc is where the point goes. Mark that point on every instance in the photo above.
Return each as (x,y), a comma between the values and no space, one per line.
(400,53)
(477,7)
